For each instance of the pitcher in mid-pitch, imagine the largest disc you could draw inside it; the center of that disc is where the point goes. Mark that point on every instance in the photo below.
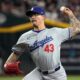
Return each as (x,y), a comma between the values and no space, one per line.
(45,45)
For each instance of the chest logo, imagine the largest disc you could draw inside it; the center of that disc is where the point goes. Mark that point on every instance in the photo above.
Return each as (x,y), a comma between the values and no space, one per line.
(41,43)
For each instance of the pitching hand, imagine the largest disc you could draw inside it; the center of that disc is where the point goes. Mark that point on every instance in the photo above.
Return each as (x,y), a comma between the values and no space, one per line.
(66,10)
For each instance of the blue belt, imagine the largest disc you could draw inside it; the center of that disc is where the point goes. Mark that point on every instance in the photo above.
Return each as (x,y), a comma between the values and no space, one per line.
(47,72)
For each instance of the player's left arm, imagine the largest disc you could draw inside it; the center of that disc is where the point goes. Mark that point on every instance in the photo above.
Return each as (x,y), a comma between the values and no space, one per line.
(74,22)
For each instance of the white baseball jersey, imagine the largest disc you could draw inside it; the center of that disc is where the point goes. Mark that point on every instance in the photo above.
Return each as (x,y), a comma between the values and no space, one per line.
(45,46)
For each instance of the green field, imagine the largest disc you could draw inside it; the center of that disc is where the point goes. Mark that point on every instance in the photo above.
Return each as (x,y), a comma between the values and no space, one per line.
(20,77)
(11,77)
(74,77)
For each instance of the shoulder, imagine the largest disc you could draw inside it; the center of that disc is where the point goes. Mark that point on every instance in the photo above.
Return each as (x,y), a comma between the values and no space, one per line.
(23,37)
(58,29)
(55,29)
(26,33)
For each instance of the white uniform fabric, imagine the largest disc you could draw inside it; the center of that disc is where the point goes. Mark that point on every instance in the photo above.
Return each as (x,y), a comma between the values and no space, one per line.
(45,51)
(36,75)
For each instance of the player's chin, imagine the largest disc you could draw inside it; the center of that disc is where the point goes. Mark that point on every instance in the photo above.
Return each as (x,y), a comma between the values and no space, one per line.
(35,25)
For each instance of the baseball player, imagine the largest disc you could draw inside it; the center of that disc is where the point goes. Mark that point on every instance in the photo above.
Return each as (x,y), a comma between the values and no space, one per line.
(44,45)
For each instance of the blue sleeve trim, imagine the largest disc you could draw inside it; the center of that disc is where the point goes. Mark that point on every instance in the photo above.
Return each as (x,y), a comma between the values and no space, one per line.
(69,33)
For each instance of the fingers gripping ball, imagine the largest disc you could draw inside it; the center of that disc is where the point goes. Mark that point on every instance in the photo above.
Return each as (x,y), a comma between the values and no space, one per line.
(62,8)
(67,11)
(12,68)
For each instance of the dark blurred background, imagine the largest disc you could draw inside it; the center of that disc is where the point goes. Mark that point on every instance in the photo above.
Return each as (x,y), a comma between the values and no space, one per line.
(12,14)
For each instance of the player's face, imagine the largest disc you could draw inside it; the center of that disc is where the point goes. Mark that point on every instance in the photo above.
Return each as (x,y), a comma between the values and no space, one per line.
(37,19)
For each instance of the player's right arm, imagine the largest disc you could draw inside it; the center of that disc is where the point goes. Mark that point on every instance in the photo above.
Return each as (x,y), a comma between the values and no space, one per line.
(17,49)
(12,58)
(12,65)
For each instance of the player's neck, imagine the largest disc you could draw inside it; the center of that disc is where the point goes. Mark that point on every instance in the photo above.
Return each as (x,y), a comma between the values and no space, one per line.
(40,27)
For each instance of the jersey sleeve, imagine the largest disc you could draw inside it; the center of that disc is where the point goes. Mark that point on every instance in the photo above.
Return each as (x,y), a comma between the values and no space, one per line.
(22,39)
(21,45)
(63,34)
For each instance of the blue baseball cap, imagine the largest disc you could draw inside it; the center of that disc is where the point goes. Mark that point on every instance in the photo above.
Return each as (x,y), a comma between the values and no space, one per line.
(35,10)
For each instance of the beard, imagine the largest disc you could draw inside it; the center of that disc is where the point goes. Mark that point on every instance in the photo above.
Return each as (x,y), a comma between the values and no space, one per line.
(35,26)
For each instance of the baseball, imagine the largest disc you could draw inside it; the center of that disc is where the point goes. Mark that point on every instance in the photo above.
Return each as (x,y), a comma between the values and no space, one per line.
(62,8)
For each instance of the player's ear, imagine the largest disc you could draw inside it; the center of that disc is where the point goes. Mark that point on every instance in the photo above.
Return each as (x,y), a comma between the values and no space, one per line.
(44,17)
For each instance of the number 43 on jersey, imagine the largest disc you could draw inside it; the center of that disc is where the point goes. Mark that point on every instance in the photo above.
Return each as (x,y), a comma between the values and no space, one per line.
(49,48)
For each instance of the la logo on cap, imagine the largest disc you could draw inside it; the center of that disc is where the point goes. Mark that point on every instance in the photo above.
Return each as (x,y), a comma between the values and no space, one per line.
(42,12)
(32,9)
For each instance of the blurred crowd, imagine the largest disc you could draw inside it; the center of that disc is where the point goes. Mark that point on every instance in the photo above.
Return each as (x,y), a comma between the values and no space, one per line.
(19,7)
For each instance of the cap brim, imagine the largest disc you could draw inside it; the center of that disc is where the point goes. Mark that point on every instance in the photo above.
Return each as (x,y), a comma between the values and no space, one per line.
(30,13)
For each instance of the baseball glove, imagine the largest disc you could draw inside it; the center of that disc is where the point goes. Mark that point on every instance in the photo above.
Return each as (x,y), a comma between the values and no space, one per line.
(12,68)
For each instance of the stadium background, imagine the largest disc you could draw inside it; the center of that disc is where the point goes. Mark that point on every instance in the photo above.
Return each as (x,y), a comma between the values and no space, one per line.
(13,22)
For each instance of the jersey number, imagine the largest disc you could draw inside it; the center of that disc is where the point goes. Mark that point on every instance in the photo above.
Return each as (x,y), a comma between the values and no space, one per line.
(49,48)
